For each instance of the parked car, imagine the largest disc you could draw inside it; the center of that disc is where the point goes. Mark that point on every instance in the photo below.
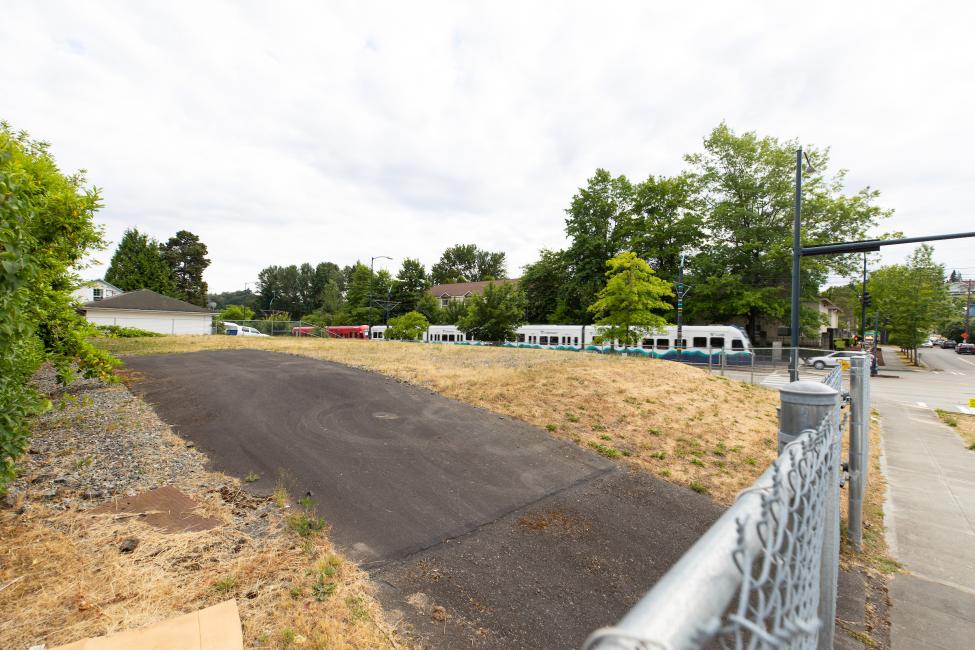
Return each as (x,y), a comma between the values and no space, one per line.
(927,344)
(233,329)
(948,344)
(833,359)
(965,348)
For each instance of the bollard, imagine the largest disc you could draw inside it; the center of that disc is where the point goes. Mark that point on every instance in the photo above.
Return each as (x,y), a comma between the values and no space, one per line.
(854,520)
(804,405)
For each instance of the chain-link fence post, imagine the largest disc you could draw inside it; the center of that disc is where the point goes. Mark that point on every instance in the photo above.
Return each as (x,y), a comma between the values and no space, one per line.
(804,406)
(854,520)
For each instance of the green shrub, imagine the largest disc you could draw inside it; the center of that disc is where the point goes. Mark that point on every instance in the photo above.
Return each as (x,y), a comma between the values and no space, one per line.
(603,450)
(119,332)
(46,229)
(408,327)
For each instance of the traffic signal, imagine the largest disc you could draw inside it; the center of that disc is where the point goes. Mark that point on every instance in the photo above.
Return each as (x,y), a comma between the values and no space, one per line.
(866,299)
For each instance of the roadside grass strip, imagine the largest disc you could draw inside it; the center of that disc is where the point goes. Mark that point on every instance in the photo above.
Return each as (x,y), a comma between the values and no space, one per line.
(964,425)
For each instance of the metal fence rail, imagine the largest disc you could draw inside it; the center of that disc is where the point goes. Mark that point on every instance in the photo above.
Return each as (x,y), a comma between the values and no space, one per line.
(765,574)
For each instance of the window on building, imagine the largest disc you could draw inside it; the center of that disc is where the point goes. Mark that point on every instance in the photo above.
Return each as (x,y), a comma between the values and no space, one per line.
(663,344)
(97,294)
(717,341)
(444,301)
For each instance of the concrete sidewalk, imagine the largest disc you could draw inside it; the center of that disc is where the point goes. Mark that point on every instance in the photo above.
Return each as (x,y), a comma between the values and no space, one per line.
(930,519)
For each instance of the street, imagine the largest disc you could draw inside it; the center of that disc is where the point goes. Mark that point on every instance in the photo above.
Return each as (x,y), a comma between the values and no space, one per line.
(947,383)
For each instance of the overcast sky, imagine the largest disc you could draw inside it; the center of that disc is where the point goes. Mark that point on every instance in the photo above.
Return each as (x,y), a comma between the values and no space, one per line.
(286,132)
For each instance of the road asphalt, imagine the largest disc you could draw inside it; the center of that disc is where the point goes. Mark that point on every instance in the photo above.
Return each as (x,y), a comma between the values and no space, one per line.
(930,508)
(524,540)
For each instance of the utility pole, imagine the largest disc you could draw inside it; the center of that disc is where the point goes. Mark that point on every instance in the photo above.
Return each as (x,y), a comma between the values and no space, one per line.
(968,312)
(372,263)
(863,302)
(796,259)
(681,292)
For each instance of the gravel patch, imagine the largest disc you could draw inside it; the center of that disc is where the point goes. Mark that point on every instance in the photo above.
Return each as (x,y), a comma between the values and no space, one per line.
(98,442)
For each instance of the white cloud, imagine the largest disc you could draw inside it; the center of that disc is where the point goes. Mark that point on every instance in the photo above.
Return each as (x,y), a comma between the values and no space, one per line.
(291,132)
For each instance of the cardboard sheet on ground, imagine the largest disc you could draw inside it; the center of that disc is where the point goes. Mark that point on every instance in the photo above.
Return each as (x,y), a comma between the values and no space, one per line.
(213,628)
(166,508)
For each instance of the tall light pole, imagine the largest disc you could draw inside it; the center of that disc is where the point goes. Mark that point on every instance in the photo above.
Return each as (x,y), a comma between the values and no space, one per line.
(796,257)
(372,262)
(681,292)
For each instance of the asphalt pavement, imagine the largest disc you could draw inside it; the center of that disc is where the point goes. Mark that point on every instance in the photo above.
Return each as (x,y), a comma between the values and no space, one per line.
(524,540)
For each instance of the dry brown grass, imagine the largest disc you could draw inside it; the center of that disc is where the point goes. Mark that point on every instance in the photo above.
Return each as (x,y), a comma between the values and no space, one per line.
(964,425)
(681,423)
(63,576)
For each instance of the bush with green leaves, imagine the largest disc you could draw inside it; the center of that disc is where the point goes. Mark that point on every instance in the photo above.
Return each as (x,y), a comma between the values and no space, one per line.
(235,313)
(119,332)
(46,230)
(495,315)
(408,327)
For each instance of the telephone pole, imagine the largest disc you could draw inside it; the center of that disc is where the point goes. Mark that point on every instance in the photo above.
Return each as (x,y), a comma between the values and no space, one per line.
(968,313)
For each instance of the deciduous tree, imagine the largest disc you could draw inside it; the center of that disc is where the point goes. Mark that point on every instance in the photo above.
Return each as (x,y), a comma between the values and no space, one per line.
(495,315)
(468,263)
(408,327)
(626,306)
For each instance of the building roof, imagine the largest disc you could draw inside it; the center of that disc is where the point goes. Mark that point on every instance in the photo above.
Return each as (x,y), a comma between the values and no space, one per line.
(88,283)
(465,288)
(145,300)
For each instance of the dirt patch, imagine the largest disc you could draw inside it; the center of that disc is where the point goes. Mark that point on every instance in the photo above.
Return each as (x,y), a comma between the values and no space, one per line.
(964,425)
(680,423)
(165,508)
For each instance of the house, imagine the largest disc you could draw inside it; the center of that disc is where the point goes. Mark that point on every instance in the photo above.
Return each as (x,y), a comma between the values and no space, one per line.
(148,310)
(773,331)
(95,290)
(460,291)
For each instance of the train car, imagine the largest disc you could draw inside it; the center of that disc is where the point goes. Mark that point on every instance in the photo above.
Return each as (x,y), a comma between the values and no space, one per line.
(555,337)
(378,332)
(448,334)
(348,331)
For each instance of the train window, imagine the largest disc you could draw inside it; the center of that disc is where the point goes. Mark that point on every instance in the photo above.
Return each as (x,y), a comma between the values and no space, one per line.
(451,338)
(575,340)
(543,340)
(683,344)
(717,341)
(700,341)
(737,344)
(663,344)
(521,338)
(647,344)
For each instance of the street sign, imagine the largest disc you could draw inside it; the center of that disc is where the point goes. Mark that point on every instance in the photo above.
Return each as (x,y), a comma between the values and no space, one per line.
(844,364)
(964,335)
(971,402)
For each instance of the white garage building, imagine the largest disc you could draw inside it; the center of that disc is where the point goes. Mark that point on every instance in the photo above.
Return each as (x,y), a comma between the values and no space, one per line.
(151,311)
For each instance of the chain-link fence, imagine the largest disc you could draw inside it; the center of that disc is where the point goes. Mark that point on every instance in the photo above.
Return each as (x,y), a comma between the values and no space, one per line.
(765,574)
(270,328)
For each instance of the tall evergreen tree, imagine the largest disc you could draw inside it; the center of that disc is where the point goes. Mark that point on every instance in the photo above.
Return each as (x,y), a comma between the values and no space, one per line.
(139,264)
(187,258)
(412,284)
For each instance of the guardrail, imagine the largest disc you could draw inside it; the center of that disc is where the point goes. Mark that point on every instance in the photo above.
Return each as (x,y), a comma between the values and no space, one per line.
(765,574)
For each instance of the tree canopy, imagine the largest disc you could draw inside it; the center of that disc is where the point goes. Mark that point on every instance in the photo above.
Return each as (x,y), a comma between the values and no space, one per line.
(626,306)
(495,315)
(407,327)
(468,263)
(187,259)
(138,263)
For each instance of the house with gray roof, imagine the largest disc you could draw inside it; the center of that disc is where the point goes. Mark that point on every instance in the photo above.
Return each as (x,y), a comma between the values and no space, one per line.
(148,310)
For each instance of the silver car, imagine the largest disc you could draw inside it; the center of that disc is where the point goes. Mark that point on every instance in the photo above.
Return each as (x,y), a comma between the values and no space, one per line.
(833,359)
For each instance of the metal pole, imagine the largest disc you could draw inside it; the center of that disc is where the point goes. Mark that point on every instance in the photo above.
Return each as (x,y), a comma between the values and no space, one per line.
(854,519)
(372,262)
(863,303)
(680,308)
(796,258)
(968,311)
(804,405)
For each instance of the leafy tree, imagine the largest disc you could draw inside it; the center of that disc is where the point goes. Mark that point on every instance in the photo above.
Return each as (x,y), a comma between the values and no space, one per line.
(299,289)
(357,296)
(543,283)
(597,222)
(666,221)
(246,298)
(625,306)
(912,297)
(235,313)
(408,327)
(413,284)
(139,264)
(187,259)
(467,263)
(495,315)
(452,313)
(429,307)
(747,189)
(46,229)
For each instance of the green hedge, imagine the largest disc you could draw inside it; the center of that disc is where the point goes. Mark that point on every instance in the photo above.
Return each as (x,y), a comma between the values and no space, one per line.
(119,332)
(46,229)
